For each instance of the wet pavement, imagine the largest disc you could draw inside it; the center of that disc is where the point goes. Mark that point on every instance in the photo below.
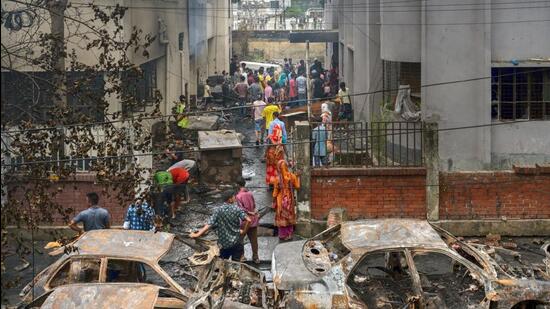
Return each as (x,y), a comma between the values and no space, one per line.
(12,280)
(203,202)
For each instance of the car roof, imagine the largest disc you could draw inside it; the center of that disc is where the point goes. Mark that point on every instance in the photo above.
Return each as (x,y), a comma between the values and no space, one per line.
(261,64)
(146,245)
(367,235)
(92,296)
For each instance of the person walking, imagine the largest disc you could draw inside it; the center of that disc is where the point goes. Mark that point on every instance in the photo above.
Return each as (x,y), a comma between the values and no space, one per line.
(317,86)
(207,97)
(242,91)
(292,90)
(93,218)
(258,108)
(274,152)
(301,85)
(302,68)
(268,91)
(277,121)
(319,137)
(246,202)
(255,91)
(226,221)
(284,202)
(268,111)
(139,216)
(345,101)
(261,78)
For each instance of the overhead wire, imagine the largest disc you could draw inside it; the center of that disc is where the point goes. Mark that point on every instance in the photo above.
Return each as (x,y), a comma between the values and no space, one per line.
(245,146)
(352,8)
(285,102)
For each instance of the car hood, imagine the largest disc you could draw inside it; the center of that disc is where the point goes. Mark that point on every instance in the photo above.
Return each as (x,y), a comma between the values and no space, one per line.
(290,273)
(288,269)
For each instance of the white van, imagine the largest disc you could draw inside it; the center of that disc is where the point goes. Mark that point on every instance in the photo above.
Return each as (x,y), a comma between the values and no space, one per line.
(255,66)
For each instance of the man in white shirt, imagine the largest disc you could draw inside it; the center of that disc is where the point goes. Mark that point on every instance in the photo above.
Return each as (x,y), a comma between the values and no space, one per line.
(301,84)
(259,106)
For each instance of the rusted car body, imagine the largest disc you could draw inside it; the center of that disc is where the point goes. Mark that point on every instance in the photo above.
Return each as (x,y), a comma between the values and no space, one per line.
(109,295)
(230,284)
(399,263)
(107,256)
(131,258)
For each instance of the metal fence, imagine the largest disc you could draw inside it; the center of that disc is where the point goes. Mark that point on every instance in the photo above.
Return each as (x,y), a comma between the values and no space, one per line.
(360,144)
(396,143)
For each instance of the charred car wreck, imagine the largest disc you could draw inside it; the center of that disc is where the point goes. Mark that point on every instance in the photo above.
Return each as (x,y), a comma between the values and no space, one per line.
(402,263)
(105,262)
(386,263)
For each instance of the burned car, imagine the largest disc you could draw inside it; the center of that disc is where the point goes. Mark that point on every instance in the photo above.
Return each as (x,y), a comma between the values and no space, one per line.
(401,263)
(109,295)
(144,258)
(108,256)
(232,285)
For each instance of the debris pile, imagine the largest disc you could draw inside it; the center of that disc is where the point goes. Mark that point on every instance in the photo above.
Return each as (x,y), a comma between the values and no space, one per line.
(520,259)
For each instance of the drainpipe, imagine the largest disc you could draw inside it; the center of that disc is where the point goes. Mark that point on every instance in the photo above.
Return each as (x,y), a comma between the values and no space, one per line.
(166,80)
(308,92)
(184,82)
(163,39)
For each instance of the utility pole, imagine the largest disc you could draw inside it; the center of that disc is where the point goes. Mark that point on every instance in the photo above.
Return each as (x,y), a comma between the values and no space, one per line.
(308,90)
(57,8)
(57,28)
(284,15)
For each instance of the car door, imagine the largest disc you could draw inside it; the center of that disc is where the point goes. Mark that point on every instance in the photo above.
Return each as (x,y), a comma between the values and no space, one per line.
(447,281)
(383,279)
(77,269)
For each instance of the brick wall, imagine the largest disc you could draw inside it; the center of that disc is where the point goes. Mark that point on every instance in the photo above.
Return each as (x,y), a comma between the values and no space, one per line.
(73,195)
(519,194)
(369,193)
(523,193)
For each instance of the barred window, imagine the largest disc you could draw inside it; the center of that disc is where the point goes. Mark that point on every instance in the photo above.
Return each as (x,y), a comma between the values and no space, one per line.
(139,87)
(520,93)
(401,73)
(29,96)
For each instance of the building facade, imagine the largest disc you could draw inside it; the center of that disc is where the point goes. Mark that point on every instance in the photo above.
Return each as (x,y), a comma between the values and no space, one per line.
(192,41)
(485,66)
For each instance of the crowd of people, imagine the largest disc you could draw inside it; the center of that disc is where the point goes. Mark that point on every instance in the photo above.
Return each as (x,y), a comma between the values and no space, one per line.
(287,83)
(269,92)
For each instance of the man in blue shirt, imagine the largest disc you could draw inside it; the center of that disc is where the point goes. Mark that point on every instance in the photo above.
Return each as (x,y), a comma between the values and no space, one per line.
(93,218)
(139,216)
(277,121)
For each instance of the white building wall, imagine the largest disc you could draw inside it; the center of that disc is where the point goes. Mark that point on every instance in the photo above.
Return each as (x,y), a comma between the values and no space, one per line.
(454,42)
(520,41)
(400,31)
(453,53)
(210,24)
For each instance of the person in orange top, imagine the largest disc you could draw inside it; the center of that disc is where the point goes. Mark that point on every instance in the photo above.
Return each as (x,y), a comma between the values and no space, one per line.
(273,153)
(180,176)
(283,200)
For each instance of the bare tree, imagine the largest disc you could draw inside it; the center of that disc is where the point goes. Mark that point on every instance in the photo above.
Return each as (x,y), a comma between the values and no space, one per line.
(55,112)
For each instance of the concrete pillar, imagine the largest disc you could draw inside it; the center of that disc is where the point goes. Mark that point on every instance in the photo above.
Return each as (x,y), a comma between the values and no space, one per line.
(430,141)
(303,164)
